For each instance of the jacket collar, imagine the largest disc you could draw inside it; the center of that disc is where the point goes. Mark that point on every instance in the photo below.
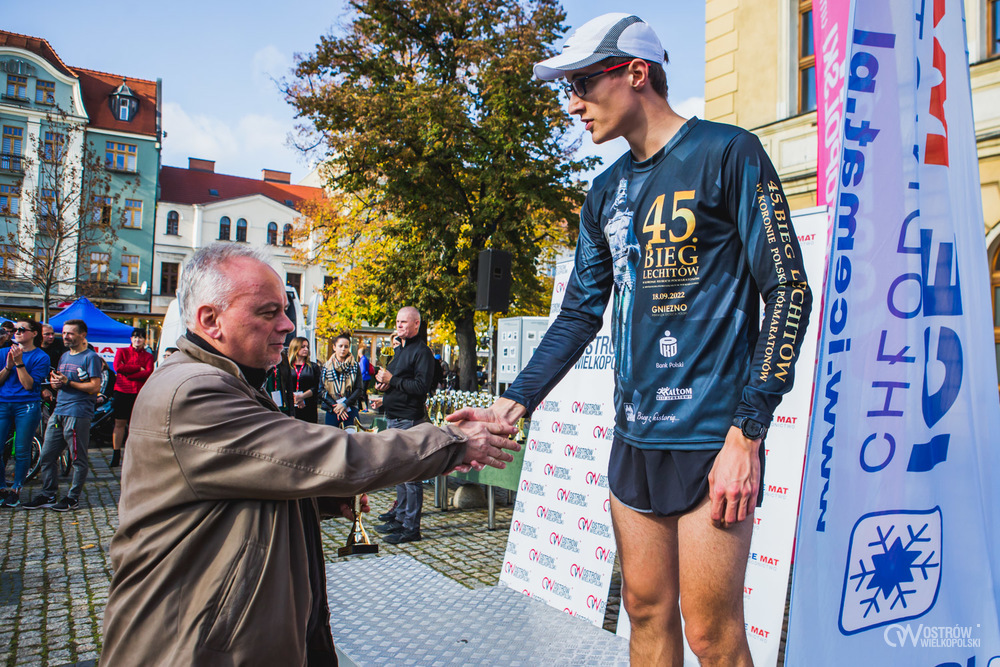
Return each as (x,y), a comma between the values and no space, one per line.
(205,354)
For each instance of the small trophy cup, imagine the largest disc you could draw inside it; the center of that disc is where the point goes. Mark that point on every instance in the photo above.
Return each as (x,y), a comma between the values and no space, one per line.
(357,542)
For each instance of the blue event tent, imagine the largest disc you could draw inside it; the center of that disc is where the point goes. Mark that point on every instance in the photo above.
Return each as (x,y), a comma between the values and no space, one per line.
(100,327)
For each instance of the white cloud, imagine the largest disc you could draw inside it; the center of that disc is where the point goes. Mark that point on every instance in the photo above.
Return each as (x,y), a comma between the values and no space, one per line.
(269,65)
(692,106)
(243,148)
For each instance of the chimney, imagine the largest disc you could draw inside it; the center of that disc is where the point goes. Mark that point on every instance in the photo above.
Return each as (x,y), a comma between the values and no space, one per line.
(275,176)
(201,165)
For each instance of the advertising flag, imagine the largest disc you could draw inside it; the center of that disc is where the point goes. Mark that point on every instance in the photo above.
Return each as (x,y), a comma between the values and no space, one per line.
(897,555)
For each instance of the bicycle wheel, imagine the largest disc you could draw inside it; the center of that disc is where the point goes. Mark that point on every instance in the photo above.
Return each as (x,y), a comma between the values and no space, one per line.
(36,457)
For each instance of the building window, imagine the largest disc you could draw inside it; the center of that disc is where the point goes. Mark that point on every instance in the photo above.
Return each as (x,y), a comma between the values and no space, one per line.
(10,157)
(224,228)
(993,21)
(286,235)
(48,213)
(43,257)
(327,282)
(807,58)
(17,86)
(45,92)
(133,214)
(10,200)
(8,254)
(102,210)
(294,280)
(129,274)
(120,157)
(272,233)
(995,288)
(168,278)
(173,223)
(52,148)
(241,230)
(99,262)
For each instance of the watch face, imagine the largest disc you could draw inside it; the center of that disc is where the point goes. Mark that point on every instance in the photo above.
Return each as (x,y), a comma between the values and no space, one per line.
(752,429)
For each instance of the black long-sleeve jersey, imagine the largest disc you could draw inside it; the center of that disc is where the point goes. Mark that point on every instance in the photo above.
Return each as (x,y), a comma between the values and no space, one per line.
(687,242)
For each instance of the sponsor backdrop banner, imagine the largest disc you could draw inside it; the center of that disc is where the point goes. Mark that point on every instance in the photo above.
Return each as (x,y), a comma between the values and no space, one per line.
(897,557)
(766,583)
(830,27)
(561,548)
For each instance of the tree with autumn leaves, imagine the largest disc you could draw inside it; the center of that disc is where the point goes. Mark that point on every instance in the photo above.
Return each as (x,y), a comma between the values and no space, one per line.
(439,144)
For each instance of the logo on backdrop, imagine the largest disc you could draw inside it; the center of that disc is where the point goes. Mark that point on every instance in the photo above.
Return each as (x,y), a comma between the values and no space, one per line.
(893,569)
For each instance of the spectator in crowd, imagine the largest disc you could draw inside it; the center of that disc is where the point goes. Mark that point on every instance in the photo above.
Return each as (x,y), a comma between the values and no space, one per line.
(365,364)
(78,380)
(304,380)
(53,346)
(218,557)
(342,385)
(6,334)
(134,365)
(278,384)
(167,352)
(406,382)
(26,367)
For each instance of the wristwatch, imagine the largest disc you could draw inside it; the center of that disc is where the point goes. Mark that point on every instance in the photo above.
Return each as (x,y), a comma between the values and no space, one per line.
(752,429)
(19,365)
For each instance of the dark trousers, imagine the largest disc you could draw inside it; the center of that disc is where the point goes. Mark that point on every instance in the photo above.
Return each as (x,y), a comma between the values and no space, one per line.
(409,496)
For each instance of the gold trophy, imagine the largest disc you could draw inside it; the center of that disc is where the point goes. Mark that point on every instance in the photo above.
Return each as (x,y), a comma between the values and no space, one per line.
(357,542)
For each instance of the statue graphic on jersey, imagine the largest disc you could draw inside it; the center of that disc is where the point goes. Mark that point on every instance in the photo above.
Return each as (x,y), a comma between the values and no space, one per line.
(625,255)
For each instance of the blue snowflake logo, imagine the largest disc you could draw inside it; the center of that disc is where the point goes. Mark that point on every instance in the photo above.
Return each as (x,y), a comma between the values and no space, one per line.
(893,569)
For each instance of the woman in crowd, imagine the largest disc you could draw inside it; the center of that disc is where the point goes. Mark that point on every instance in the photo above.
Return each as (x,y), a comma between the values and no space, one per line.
(304,380)
(342,385)
(25,368)
(133,365)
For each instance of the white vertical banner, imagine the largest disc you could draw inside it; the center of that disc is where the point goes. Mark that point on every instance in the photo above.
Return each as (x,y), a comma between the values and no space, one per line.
(561,547)
(898,549)
(766,583)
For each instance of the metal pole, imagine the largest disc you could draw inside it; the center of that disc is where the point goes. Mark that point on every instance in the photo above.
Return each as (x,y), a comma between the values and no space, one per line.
(489,376)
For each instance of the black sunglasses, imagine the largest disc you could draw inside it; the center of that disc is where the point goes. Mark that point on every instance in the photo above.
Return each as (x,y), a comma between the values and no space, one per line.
(579,85)
(21,330)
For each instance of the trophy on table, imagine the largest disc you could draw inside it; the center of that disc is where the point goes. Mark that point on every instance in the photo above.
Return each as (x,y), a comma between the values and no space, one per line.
(357,541)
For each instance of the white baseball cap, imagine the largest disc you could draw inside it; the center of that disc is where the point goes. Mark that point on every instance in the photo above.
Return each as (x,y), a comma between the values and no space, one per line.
(615,35)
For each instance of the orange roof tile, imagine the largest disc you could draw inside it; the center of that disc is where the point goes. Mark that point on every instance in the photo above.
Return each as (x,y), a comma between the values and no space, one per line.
(192,186)
(98,86)
(36,45)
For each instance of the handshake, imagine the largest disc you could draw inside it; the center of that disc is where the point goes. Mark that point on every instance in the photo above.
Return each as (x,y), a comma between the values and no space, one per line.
(489,431)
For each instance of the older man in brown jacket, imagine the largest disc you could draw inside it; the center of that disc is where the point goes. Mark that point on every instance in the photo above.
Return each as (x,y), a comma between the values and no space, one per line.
(217,559)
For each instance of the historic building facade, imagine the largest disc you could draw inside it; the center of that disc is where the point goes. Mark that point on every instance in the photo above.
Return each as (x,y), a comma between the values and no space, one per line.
(760,74)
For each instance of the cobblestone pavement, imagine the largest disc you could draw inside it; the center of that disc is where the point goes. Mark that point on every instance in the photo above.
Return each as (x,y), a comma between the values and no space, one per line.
(55,569)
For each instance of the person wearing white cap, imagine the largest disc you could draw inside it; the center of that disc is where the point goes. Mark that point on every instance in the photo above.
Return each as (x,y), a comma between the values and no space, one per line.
(687,231)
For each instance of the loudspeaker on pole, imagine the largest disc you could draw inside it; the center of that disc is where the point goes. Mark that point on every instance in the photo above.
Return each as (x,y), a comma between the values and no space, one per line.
(493,287)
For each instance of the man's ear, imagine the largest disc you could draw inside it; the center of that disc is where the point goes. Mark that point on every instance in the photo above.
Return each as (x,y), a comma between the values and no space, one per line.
(638,71)
(208,321)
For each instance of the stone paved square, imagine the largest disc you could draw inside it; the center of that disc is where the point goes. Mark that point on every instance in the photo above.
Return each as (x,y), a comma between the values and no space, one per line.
(55,569)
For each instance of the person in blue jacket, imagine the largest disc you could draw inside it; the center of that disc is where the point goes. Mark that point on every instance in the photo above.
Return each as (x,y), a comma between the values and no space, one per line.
(25,368)
(684,234)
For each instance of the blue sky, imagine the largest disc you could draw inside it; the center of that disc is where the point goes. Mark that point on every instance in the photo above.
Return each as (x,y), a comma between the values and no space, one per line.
(218,61)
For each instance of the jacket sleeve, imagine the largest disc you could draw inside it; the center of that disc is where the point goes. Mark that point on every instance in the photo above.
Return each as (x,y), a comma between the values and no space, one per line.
(423,374)
(229,446)
(580,317)
(757,203)
(144,369)
(122,367)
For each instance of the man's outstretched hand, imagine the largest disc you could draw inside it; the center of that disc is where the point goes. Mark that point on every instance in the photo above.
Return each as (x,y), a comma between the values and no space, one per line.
(500,418)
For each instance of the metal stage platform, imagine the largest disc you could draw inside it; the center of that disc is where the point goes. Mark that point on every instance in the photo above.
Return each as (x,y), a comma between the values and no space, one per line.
(394,610)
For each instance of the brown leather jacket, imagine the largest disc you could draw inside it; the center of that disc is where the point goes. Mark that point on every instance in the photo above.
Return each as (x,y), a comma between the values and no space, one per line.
(218,524)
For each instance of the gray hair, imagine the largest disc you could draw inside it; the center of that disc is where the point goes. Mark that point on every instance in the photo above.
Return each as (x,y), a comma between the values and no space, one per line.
(203,280)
